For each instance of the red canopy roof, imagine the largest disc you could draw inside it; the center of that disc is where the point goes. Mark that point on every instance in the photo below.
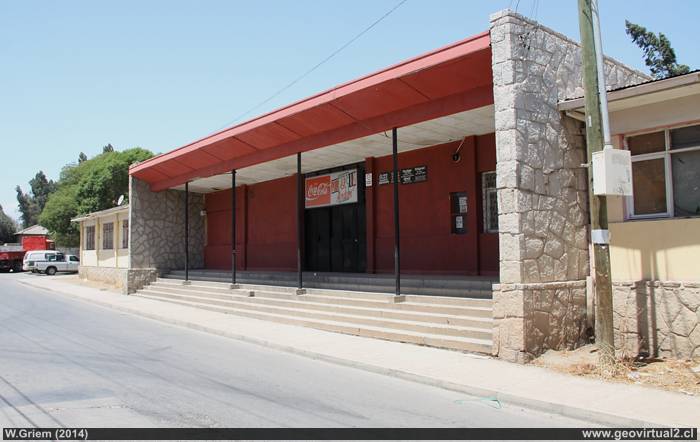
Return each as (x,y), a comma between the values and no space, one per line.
(452,79)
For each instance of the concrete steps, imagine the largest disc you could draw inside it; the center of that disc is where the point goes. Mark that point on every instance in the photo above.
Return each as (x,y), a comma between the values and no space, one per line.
(476,287)
(454,323)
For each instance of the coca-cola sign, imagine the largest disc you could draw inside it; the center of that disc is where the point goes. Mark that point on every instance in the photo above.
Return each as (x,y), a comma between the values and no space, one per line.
(331,189)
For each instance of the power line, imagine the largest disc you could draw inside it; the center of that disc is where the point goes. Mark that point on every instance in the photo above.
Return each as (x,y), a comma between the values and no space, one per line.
(317,65)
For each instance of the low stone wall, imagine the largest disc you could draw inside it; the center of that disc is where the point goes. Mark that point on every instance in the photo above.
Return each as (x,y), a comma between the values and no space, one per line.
(139,278)
(533,318)
(126,280)
(659,318)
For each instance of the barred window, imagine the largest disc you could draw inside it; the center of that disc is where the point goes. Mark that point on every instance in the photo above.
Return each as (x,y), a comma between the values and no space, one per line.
(108,236)
(125,234)
(490,201)
(89,240)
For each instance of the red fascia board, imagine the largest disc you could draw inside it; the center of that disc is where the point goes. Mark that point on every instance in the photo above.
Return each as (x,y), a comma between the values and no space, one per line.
(439,56)
(471,99)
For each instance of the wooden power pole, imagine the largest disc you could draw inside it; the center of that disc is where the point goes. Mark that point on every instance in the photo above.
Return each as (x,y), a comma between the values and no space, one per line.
(598,204)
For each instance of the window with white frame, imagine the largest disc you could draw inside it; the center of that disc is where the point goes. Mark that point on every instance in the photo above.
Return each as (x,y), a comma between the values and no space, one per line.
(665,173)
(489,201)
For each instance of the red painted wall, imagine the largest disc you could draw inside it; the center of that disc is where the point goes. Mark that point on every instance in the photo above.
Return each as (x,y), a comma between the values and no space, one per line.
(36,242)
(266,221)
(265,226)
(427,243)
(217,253)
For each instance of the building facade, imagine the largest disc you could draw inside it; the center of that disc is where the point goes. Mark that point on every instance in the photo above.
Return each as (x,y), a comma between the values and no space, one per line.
(104,247)
(655,234)
(489,184)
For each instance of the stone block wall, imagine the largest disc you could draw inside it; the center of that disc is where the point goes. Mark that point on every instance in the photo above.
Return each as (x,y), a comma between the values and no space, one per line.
(532,318)
(125,280)
(658,318)
(108,275)
(542,188)
(157,228)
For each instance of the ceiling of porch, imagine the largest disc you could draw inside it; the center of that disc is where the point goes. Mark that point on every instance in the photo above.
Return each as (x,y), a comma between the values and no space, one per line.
(427,133)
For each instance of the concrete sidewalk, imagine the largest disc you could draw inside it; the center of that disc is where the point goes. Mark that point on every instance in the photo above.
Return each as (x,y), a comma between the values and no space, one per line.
(609,403)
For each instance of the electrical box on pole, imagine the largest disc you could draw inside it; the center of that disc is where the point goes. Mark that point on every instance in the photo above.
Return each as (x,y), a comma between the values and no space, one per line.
(612,172)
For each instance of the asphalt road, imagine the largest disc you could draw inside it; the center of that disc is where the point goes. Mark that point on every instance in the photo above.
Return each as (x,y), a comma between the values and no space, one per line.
(64,362)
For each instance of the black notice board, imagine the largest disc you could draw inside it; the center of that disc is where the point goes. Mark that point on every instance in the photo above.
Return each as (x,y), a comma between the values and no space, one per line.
(384,178)
(412,175)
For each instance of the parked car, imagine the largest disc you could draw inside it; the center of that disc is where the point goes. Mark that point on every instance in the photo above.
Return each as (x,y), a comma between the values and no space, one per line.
(58,263)
(35,256)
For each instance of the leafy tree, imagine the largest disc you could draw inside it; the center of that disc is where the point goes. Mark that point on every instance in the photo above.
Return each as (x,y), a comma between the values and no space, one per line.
(27,208)
(7,228)
(88,186)
(61,207)
(31,204)
(82,157)
(108,148)
(659,56)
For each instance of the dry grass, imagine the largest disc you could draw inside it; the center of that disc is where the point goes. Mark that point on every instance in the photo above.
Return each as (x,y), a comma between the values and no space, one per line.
(669,374)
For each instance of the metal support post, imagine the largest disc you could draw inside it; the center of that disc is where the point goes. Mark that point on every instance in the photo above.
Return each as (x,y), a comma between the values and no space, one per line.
(233,227)
(300,223)
(187,232)
(397,245)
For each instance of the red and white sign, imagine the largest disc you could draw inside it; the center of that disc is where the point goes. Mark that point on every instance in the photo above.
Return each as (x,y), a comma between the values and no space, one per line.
(331,189)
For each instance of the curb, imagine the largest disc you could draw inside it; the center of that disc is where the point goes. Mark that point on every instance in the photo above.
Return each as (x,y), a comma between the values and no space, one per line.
(609,419)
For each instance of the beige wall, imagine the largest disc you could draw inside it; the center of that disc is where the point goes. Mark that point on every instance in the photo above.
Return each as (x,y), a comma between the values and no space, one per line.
(666,249)
(116,257)
(656,115)
(662,249)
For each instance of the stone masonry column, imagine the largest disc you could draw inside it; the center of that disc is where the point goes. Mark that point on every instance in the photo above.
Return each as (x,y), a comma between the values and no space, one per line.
(540,302)
(156,232)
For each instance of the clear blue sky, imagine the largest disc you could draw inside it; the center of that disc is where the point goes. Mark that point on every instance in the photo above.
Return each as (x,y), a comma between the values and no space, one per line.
(77,75)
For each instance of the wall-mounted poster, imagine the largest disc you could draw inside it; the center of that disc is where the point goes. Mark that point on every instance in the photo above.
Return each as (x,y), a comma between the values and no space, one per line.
(384,178)
(331,189)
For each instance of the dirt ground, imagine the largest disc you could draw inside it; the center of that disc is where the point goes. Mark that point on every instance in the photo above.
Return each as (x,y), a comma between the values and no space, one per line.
(670,374)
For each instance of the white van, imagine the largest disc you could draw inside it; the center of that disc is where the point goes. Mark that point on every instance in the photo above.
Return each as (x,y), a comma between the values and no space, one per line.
(34,256)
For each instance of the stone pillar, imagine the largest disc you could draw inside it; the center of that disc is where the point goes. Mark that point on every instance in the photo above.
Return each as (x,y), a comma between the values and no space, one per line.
(542,188)
(156,225)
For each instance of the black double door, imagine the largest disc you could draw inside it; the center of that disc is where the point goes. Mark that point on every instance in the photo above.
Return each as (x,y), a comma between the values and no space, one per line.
(335,238)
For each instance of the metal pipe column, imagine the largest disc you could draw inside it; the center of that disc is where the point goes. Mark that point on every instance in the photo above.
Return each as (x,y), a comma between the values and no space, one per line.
(397,245)
(300,219)
(187,231)
(233,226)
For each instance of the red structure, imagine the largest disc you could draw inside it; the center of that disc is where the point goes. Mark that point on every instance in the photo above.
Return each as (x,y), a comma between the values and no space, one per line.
(31,238)
(349,220)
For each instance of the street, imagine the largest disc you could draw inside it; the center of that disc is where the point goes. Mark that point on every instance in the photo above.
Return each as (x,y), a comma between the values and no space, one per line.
(64,362)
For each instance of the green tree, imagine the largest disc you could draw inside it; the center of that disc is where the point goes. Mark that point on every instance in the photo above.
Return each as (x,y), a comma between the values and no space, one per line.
(89,186)
(27,208)
(659,56)
(82,157)
(7,228)
(31,204)
(108,148)
(60,209)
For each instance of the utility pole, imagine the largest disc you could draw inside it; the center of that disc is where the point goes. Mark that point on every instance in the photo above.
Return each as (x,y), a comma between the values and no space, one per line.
(596,133)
